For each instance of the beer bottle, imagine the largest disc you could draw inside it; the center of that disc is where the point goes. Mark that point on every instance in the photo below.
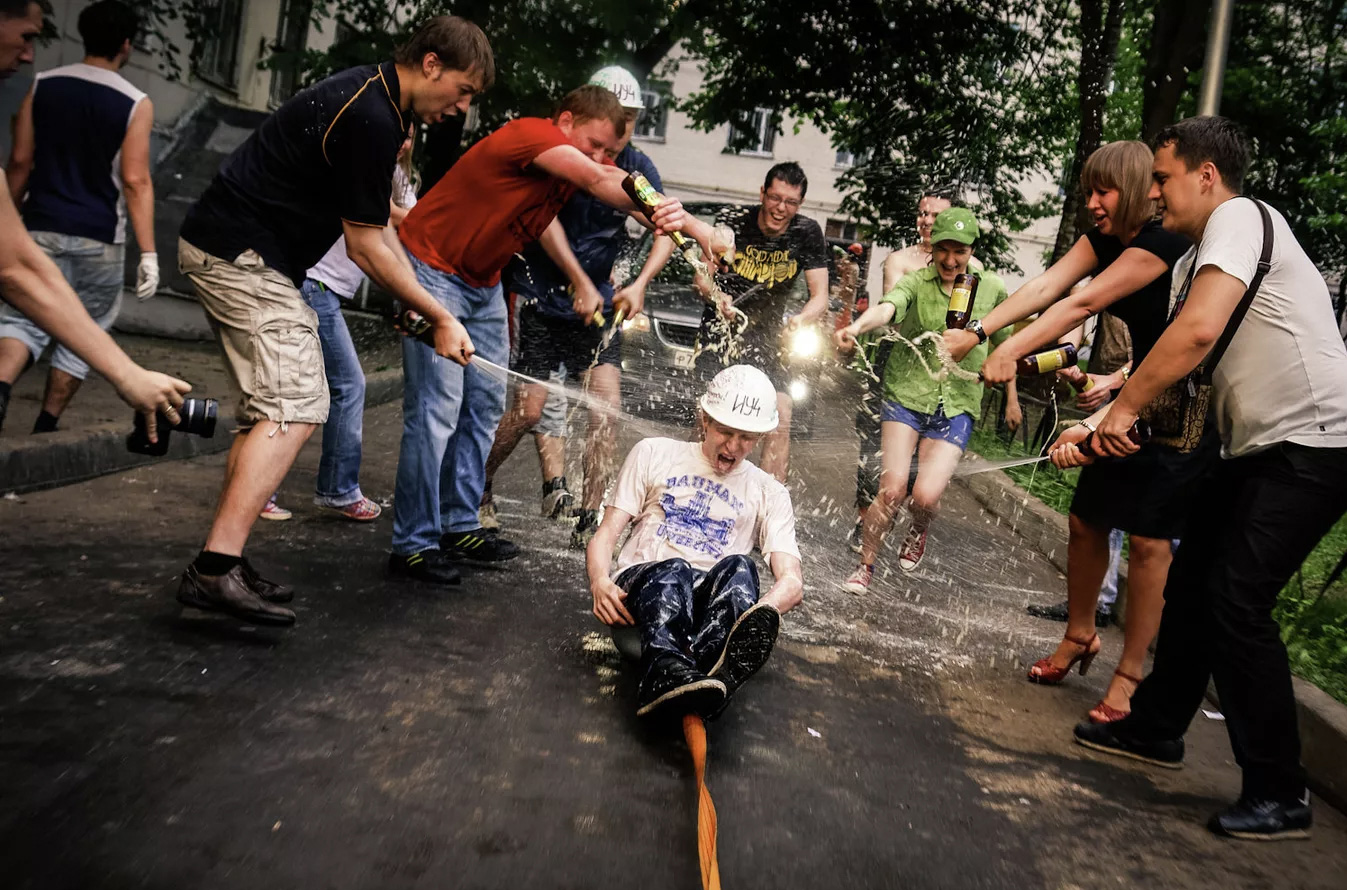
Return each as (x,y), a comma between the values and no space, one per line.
(961,297)
(1047,361)
(416,325)
(1078,379)
(644,196)
(1140,434)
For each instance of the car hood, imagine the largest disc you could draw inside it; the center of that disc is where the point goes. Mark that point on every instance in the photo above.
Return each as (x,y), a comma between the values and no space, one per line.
(674,304)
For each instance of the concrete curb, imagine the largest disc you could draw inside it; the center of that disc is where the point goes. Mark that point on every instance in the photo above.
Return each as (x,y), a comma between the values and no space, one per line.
(1323,719)
(63,458)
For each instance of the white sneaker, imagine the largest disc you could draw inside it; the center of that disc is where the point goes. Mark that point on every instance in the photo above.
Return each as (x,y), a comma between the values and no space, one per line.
(859,581)
(486,517)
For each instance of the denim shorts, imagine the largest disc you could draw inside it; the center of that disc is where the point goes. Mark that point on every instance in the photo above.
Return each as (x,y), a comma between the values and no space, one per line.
(954,429)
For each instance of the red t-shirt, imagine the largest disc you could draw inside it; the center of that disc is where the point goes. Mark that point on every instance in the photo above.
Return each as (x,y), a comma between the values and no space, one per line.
(489,205)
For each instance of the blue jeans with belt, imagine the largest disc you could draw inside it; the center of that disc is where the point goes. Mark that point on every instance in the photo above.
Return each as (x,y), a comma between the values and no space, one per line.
(338,483)
(449,418)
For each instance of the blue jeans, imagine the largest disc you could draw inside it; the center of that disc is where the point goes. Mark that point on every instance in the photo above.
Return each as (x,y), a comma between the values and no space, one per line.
(449,418)
(339,468)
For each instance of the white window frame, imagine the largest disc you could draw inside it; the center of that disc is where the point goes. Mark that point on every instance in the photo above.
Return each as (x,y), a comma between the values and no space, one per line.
(225,17)
(657,96)
(763,121)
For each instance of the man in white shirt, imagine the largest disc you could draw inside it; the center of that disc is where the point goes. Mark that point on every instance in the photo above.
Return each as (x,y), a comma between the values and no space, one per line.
(684,578)
(1279,399)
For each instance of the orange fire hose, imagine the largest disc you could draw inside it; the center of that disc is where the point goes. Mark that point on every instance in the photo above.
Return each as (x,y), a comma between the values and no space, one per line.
(695,733)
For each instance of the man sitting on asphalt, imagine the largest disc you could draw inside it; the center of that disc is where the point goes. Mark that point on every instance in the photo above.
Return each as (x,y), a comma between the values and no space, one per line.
(684,577)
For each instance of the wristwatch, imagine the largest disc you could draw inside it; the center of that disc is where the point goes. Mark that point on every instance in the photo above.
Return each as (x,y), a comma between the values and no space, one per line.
(975,327)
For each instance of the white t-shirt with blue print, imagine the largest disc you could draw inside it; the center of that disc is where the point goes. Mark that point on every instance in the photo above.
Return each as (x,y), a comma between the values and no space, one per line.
(684,509)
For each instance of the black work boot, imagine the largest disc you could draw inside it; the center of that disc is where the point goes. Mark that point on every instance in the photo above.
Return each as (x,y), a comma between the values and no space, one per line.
(231,594)
(748,646)
(671,686)
(1250,819)
(271,591)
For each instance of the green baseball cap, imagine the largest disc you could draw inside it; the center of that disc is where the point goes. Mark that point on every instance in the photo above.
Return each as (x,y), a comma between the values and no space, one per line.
(955,224)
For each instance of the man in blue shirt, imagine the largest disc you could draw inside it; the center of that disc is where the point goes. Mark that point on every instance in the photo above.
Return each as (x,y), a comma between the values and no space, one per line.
(564,280)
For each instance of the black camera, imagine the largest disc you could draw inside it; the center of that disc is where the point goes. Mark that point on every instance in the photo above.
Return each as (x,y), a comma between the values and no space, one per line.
(196,416)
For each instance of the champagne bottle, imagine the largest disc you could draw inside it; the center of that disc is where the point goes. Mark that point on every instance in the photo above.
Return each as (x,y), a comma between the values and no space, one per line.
(1140,434)
(961,297)
(1047,361)
(644,196)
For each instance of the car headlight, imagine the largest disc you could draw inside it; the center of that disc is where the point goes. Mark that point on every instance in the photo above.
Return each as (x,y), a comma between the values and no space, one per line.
(806,342)
(640,324)
(799,390)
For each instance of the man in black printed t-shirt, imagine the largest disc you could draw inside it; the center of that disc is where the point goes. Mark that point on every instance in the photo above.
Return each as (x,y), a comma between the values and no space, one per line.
(773,244)
(319,168)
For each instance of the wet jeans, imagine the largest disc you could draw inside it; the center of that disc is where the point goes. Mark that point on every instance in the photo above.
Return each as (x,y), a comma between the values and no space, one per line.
(338,482)
(687,614)
(449,418)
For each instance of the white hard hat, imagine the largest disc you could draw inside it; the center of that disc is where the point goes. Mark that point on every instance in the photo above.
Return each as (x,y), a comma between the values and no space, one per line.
(743,398)
(620,81)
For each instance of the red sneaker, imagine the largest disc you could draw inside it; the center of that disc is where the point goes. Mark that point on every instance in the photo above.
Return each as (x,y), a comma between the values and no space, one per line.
(914,547)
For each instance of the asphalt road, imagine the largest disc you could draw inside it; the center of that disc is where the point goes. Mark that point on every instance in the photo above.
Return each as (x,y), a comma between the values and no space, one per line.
(401,736)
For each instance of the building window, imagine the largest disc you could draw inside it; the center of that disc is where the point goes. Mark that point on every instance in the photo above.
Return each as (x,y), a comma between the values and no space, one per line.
(654,118)
(754,134)
(292,31)
(841,228)
(218,51)
(847,159)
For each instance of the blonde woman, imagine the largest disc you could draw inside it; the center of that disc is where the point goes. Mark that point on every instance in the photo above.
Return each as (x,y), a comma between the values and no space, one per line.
(1131,259)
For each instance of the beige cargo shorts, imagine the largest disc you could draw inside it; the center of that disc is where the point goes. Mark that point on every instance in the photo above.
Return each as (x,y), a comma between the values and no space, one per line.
(268,333)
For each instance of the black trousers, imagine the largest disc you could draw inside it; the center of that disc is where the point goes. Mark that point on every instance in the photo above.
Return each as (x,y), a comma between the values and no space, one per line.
(687,614)
(1253,523)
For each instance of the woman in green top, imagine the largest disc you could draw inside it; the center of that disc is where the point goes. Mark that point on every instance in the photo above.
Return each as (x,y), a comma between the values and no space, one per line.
(934,410)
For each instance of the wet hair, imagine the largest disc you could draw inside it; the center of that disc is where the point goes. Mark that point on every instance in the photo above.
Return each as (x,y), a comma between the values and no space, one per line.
(16,9)
(1211,137)
(788,172)
(458,43)
(1125,166)
(591,102)
(106,26)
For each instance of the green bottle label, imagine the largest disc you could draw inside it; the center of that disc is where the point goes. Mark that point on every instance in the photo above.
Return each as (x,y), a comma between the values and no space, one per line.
(1050,361)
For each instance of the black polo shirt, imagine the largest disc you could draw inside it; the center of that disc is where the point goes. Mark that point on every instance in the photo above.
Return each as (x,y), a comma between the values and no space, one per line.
(325,156)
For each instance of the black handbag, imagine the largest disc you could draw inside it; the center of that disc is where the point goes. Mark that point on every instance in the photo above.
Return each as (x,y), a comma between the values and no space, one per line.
(1178,416)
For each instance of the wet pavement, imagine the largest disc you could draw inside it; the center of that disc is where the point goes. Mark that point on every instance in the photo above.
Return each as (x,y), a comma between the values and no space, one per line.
(402,736)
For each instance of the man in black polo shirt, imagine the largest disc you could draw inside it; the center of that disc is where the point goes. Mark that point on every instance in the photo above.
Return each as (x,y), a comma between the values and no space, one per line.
(319,168)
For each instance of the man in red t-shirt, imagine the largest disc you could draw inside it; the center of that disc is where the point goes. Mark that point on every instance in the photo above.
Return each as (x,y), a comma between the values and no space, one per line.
(499,197)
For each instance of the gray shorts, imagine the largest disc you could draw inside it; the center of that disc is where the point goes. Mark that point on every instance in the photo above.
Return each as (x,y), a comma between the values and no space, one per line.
(95,272)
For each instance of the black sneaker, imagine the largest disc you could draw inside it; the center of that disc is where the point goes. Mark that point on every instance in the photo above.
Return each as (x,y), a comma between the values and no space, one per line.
(586,524)
(1103,616)
(478,545)
(557,499)
(1167,753)
(430,566)
(748,646)
(672,686)
(1263,820)
(271,591)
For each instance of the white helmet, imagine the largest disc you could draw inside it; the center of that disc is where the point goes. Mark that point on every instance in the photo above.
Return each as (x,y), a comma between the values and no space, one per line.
(620,81)
(741,397)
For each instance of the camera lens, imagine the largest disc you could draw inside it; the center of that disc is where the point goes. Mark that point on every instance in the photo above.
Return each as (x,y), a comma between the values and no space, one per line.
(197,416)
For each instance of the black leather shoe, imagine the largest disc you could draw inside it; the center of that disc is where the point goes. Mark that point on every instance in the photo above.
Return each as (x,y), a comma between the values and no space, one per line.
(1103,616)
(1167,753)
(747,646)
(429,566)
(672,686)
(270,591)
(477,545)
(231,594)
(1263,820)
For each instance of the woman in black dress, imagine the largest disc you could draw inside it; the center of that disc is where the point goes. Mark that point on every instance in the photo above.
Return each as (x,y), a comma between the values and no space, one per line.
(1130,258)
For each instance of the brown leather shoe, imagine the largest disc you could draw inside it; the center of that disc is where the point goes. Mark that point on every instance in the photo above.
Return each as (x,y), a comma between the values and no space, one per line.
(270,591)
(230,593)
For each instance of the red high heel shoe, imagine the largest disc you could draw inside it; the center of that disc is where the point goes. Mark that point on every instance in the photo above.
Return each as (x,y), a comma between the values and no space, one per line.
(1108,713)
(1045,673)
